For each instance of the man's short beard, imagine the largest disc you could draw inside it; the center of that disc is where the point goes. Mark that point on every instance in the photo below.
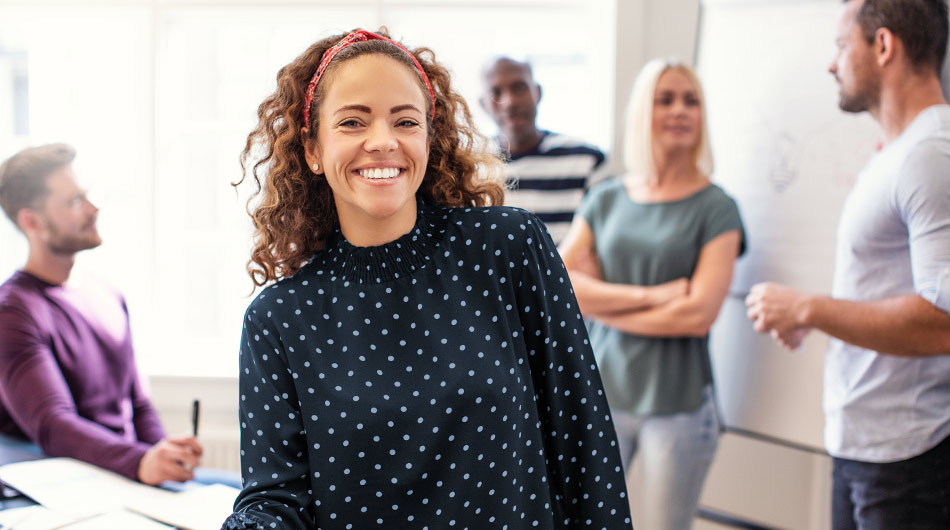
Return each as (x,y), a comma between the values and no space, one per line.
(63,244)
(856,103)
(862,100)
(73,245)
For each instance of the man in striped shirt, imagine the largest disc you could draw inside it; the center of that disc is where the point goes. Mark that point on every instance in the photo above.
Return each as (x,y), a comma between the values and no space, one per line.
(547,173)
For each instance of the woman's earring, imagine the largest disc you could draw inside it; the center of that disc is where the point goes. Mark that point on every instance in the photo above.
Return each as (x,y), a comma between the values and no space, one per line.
(316,168)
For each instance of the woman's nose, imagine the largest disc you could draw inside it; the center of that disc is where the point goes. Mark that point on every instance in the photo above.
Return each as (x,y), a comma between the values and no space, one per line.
(380,137)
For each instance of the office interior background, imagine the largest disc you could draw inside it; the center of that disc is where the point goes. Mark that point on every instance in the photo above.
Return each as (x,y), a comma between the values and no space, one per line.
(159,95)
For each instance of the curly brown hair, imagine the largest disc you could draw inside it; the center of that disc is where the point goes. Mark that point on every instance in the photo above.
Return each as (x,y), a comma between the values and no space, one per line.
(293,210)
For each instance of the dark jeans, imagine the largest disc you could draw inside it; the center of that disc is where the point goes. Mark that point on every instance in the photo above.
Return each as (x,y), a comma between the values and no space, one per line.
(912,494)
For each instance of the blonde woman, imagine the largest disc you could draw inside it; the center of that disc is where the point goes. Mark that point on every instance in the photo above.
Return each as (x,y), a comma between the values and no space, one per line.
(651,255)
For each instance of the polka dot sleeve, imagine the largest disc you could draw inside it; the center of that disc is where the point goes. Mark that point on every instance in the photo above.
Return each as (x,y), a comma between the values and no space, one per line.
(274,463)
(583,460)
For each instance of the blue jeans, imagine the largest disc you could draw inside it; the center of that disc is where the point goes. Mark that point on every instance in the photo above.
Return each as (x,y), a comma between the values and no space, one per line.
(911,494)
(676,451)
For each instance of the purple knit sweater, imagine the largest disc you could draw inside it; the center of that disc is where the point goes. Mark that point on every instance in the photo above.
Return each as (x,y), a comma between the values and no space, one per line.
(68,379)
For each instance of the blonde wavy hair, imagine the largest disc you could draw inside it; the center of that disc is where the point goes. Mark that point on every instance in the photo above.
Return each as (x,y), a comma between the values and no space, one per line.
(293,210)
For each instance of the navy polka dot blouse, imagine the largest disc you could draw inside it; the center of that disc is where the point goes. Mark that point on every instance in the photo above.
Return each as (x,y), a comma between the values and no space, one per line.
(442,380)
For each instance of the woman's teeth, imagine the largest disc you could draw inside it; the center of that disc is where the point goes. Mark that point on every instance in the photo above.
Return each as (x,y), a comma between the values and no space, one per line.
(379,173)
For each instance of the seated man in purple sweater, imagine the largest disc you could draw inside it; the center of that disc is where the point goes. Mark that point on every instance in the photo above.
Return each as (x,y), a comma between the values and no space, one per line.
(68,380)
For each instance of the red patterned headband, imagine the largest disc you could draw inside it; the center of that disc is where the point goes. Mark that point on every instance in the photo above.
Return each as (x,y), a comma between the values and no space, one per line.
(352,38)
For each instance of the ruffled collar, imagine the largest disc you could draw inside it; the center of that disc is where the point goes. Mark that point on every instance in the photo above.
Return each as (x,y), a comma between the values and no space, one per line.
(389,261)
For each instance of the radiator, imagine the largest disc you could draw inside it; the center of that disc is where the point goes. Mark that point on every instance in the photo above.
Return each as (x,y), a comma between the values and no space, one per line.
(221,450)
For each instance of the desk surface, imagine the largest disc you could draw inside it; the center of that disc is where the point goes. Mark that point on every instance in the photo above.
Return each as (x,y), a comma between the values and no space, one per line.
(14,450)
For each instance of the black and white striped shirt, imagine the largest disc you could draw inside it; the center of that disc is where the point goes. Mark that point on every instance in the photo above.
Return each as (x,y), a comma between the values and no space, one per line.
(551,180)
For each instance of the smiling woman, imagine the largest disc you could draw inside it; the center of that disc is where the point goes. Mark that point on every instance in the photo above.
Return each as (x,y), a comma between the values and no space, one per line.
(379,387)
(298,207)
(373,157)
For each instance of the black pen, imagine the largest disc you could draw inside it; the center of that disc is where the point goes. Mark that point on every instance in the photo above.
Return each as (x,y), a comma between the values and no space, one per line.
(194,417)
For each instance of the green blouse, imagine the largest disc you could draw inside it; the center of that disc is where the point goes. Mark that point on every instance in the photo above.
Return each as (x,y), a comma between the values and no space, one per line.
(649,244)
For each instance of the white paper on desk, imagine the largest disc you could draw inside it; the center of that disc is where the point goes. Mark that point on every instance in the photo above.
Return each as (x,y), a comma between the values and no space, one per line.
(33,518)
(202,508)
(115,521)
(39,517)
(77,488)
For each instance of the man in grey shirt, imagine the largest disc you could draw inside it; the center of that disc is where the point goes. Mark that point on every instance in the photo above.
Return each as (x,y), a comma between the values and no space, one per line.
(887,369)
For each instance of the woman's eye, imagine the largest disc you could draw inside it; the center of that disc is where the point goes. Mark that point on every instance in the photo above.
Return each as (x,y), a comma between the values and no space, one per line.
(407,123)
(349,123)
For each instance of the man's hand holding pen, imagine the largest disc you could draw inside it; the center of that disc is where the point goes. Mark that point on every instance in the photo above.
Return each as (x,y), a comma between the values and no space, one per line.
(174,457)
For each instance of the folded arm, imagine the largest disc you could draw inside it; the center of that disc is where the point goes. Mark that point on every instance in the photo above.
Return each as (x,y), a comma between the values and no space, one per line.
(598,298)
(694,313)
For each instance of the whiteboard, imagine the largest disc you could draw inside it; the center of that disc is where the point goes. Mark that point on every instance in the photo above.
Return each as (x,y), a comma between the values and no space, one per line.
(788,156)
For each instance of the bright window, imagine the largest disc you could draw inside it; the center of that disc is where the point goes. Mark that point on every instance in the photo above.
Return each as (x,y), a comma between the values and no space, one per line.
(159,95)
